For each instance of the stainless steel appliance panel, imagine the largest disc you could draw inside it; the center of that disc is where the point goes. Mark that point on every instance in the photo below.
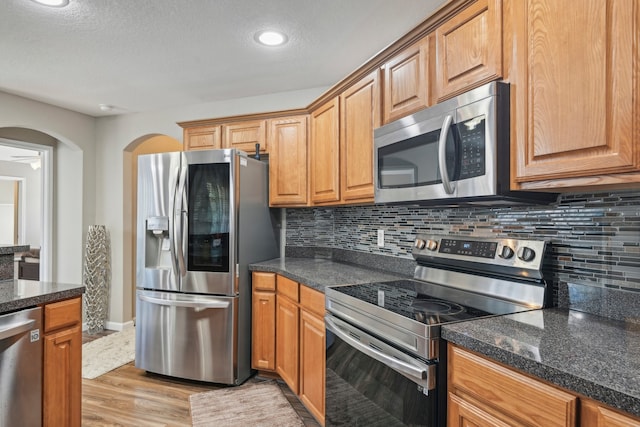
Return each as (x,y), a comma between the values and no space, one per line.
(156,258)
(208,217)
(188,336)
(21,368)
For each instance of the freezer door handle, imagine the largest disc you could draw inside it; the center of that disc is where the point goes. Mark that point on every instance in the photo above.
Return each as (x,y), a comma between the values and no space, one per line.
(189,304)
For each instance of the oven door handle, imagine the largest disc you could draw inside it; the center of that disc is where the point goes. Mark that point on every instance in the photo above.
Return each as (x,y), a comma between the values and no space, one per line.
(405,368)
(449,187)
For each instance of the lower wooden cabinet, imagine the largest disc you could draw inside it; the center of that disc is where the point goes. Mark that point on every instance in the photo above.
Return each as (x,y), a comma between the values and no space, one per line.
(594,414)
(288,336)
(484,393)
(62,377)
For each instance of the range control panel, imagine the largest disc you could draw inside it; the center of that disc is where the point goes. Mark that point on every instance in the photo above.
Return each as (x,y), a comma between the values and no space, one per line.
(517,253)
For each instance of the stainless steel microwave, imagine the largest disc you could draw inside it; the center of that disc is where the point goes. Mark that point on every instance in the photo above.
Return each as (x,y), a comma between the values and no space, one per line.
(455,152)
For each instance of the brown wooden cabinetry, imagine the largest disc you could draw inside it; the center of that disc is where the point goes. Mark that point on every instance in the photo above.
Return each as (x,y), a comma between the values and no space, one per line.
(575,109)
(263,321)
(484,393)
(324,154)
(245,135)
(594,414)
(290,338)
(407,81)
(288,169)
(287,331)
(469,49)
(202,138)
(359,115)
(62,378)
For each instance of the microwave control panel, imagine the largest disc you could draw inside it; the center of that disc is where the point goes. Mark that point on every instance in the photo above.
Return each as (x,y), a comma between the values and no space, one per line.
(472,147)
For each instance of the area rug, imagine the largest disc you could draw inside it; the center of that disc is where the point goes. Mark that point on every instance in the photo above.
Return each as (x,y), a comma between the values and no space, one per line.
(251,404)
(108,353)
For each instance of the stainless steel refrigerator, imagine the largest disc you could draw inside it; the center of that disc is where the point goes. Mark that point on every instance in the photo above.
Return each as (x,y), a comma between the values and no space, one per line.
(203,216)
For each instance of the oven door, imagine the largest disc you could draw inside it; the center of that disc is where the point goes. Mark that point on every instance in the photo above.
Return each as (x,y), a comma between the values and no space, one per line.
(370,383)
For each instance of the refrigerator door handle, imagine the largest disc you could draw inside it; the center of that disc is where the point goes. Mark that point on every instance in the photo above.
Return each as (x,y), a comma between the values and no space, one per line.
(179,224)
(189,304)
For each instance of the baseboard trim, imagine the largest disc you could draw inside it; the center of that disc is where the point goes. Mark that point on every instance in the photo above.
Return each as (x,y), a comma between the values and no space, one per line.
(114,326)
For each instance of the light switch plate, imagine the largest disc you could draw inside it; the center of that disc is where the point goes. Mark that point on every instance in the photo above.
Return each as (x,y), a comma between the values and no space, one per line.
(381,238)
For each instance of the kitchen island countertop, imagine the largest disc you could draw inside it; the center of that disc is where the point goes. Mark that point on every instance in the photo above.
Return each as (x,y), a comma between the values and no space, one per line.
(584,353)
(19,294)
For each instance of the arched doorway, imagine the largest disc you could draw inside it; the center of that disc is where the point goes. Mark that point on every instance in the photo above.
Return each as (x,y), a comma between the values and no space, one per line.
(144,145)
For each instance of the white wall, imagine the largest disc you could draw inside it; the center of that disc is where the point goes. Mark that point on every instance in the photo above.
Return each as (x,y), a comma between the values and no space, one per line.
(74,166)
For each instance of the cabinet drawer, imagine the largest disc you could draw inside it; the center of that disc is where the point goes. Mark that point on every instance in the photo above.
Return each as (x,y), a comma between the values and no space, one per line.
(62,314)
(288,288)
(510,392)
(264,281)
(312,300)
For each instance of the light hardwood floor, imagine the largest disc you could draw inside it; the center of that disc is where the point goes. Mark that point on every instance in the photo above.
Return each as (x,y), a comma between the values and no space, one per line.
(129,396)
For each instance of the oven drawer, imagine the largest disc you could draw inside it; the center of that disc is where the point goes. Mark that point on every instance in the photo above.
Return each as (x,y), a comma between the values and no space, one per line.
(370,383)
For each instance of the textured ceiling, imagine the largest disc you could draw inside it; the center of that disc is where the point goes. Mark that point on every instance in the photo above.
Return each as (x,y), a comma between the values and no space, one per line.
(142,55)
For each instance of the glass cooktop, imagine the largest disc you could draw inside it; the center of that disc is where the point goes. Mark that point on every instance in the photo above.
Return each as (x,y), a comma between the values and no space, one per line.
(403,297)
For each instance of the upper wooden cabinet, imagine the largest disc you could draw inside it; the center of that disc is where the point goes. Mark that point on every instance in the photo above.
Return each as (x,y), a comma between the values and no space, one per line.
(359,115)
(202,138)
(245,135)
(407,81)
(324,154)
(575,109)
(288,161)
(469,49)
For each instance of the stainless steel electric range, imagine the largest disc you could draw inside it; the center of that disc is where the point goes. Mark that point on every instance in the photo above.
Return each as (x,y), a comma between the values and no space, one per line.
(385,360)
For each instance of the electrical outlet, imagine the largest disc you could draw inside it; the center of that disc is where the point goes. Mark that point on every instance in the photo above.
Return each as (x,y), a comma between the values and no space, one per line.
(381,238)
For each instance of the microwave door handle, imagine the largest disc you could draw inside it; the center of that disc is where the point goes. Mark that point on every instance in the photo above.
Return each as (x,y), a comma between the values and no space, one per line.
(449,187)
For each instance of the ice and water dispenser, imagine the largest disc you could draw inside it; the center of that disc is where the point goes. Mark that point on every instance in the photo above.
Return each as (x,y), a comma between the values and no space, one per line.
(158,260)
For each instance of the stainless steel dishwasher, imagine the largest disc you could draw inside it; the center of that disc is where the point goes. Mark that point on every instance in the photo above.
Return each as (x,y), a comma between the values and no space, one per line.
(21,368)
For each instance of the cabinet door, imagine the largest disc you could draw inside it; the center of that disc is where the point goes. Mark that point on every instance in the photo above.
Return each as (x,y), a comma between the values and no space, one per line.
(574,93)
(508,392)
(263,330)
(406,81)
(469,49)
(312,363)
(324,154)
(463,413)
(288,161)
(245,135)
(287,323)
(359,115)
(593,414)
(202,138)
(62,382)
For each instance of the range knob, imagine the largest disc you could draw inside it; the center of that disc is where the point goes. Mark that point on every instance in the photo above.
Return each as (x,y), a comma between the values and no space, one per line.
(526,254)
(432,245)
(419,243)
(506,252)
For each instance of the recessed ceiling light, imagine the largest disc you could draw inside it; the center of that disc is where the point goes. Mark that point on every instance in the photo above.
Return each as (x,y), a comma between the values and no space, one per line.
(270,38)
(53,3)
(105,107)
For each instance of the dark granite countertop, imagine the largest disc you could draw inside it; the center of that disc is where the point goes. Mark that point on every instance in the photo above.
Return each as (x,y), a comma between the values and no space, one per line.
(19,294)
(587,354)
(12,249)
(318,273)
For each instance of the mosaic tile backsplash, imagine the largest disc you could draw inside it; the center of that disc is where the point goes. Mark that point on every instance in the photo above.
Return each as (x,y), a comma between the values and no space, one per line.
(595,238)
